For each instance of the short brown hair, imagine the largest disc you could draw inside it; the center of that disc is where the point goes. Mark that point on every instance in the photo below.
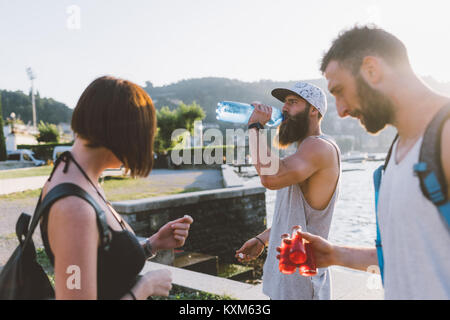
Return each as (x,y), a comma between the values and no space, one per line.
(351,46)
(118,115)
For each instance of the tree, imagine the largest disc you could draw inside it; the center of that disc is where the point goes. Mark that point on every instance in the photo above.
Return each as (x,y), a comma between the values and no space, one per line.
(169,120)
(47,132)
(167,123)
(188,114)
(3,154)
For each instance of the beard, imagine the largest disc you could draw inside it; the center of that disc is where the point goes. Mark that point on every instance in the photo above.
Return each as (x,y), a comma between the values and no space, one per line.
(377,110)
(294,128)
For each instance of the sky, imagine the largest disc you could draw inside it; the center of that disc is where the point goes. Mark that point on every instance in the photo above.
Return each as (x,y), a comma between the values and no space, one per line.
(69,43)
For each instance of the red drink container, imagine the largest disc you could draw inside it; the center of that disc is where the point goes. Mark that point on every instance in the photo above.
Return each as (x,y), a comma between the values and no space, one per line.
(308,269)
(285,265)
(298,253)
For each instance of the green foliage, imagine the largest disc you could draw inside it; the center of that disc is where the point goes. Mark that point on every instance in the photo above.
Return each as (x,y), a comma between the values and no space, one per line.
(181,293)
(47,132)
(31,172)
(182,117)
(44,261)
(2,136)
(167,123)
(188,114)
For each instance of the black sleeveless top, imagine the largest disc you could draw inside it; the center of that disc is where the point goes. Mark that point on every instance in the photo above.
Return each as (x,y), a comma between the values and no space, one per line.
(118,266)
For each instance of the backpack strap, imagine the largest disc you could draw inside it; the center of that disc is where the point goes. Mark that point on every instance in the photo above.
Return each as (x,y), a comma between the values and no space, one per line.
(429,168)
(377,175)
(66,190)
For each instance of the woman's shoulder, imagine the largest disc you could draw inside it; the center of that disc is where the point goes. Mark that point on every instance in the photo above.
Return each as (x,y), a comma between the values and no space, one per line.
(69,209)
(72,215)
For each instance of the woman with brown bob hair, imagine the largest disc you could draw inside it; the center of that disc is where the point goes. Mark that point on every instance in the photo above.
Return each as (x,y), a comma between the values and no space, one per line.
(115,124)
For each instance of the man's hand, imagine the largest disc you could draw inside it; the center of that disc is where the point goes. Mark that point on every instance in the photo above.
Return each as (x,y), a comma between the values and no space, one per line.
(327,254)
(324,251)
(251,250)
(261,114)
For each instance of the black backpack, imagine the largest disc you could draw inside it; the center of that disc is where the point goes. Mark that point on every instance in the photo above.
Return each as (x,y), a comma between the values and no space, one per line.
(23,278)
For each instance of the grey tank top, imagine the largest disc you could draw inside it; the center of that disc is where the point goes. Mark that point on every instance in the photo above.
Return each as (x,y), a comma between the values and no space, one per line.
(291,208)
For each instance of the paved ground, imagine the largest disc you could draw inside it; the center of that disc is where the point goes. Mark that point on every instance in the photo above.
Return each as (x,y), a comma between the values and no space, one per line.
(348,284)
(21,184)
(9,213)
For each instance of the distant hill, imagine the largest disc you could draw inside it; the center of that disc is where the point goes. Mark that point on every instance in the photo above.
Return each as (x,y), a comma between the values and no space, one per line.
(207,92)
(47,109)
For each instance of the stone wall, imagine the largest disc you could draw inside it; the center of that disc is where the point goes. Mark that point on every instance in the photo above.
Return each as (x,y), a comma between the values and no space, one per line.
(223,218)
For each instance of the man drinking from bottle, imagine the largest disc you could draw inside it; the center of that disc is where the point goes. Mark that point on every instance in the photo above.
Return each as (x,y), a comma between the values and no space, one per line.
(307,183)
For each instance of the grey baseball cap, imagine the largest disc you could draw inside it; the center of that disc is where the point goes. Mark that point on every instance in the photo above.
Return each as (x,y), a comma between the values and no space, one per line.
(311,93)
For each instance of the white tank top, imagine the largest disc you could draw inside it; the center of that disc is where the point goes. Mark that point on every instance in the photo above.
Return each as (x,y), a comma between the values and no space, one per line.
(415,238)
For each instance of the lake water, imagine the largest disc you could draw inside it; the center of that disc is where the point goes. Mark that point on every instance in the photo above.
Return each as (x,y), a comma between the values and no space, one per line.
(353,220)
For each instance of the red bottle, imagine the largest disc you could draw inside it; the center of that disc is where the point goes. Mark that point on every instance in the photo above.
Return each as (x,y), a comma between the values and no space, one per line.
(308,269)
(298,252)
(285,265)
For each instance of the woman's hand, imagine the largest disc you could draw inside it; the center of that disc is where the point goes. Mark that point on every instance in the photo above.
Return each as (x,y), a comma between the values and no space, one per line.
(172,235)
(251,250)
(152,283)
(158,282)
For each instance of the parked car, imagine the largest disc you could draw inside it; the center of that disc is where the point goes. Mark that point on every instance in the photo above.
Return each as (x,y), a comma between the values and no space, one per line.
(24,155)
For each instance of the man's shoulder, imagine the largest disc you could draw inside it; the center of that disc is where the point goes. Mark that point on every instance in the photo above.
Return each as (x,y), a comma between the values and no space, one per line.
(317,147)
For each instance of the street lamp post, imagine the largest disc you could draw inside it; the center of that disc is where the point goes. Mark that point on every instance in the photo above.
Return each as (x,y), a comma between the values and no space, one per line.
(13,118)
(32,76)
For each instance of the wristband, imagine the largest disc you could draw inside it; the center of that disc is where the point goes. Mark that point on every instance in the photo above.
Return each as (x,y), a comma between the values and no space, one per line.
(256,125)
(260,241)
(148,250)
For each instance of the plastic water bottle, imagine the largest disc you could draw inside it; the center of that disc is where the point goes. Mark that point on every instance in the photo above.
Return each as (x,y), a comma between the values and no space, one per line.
(238,112)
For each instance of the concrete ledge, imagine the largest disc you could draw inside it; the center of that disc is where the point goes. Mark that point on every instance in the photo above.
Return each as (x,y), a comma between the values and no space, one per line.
(177,200)
(346,284)
(230,178)
(207,283)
